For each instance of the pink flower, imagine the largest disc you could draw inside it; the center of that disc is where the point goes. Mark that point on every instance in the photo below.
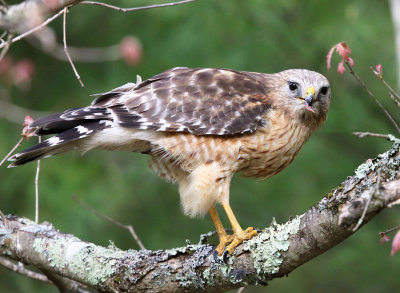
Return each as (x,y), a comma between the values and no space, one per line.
(344,51)
(131,50)
(378,71)
(27,132)
(395,243)
(23,71)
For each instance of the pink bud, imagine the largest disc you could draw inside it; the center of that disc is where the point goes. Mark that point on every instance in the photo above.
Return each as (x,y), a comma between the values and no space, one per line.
(27,132)
(329,57)
(383,237)
(131,50)
(351,61)
(395,243)
(341,69)
(378,71)
(23,71)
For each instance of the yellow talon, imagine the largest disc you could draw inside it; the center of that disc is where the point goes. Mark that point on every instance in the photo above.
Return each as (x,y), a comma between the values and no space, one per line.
(247,234)
(230,242)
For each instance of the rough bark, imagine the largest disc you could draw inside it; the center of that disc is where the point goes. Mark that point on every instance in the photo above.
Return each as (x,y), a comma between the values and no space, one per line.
(275,252)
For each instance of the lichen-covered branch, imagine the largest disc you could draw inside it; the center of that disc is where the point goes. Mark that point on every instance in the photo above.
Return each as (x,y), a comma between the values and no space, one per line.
(275,252)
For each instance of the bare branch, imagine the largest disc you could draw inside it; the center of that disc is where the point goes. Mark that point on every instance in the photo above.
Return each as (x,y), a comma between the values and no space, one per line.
(66,48)
(35,29)
(20,269)
(12,151)
(7,46)
(373,96)
(379,75)
(135,8)
(397,102)
(389,137)
(111,220)
(390,230)
(37,188)
(16,14)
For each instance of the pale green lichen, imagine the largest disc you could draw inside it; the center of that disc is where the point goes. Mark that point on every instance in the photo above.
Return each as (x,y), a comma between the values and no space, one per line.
(267,247)
(189,276)
(94,264)
(364,169)
(385,158)
(164,271)
(208,275)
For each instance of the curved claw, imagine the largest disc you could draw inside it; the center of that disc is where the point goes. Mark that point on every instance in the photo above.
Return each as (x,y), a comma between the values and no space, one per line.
(225,256)
(215,256)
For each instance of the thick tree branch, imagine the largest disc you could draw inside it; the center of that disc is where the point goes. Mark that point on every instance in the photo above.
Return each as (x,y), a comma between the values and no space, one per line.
(275,252)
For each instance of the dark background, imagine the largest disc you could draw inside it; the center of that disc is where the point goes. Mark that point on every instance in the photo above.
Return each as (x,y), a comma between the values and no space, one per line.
(257,35)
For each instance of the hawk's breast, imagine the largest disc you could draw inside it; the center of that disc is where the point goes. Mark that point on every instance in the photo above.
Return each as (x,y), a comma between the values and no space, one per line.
(272,148)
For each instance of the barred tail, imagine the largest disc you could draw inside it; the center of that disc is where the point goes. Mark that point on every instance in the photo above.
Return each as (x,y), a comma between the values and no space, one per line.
(60,143)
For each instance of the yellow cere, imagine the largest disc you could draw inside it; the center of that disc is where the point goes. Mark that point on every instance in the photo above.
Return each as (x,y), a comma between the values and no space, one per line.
(310,90)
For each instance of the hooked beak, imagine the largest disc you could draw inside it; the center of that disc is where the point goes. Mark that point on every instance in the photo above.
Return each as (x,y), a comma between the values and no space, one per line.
(308,98)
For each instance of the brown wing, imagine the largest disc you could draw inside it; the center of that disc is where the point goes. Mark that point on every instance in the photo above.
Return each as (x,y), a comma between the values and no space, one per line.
(200,101)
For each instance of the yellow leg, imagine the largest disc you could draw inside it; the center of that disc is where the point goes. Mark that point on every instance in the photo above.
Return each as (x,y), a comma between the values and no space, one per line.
(224,239)
(239,234)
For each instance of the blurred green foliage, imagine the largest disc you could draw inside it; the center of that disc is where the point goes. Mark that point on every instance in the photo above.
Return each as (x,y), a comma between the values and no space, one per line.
(257,35)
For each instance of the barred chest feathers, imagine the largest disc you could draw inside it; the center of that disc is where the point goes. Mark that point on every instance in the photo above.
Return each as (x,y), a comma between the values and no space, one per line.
(272,148)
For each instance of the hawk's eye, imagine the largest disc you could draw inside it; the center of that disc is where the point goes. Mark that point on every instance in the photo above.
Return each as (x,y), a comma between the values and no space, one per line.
(293,86)
(324,90)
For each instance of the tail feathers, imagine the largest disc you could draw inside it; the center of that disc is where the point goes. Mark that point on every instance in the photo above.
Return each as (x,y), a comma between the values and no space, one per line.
(60,143)
(58,123)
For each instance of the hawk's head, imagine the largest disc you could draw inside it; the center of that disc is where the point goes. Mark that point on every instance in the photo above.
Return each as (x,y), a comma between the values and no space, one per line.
(306,94)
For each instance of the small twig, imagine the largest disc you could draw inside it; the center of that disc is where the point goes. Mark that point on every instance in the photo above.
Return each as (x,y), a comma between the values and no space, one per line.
(115,222)
(20,269)
(36,28)
(135,8)
(7,46)
(55,16)
(364,134)
(37,188)
(12,150)
(373,96)
(379,75)
(394,100)
(3,35)
(66,48)
(377,186)
(390,230)
(240,290)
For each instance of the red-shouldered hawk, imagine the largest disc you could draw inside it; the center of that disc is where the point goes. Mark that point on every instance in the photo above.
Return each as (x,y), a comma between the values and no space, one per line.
(199,127)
